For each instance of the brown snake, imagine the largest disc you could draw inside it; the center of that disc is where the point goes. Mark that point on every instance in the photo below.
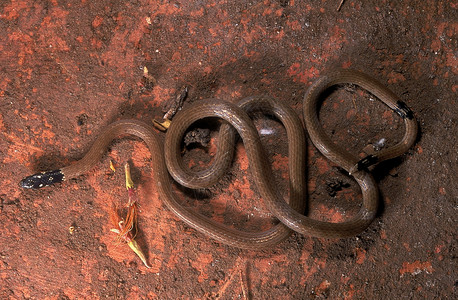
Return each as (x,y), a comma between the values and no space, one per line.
(237,119)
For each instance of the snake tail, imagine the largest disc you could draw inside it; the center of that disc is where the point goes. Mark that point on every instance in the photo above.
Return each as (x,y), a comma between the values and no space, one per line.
(403,110)
(366,162)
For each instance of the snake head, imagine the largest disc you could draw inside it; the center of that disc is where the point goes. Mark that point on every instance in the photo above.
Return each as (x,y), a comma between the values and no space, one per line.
(39,180)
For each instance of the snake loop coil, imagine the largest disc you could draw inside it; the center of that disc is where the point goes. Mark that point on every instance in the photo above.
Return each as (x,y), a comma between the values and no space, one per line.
(169,164)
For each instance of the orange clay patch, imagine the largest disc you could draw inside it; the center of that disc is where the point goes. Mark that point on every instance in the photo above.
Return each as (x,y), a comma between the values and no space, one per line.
(322,165)
(416,267)
(360,256)
(202,261)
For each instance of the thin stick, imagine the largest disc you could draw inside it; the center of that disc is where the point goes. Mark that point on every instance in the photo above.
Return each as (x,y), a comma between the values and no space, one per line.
(340,5)
(230,279)
(244,283)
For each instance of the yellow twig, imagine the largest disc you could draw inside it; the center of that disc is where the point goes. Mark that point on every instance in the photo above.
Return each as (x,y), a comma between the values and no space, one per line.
(125,227)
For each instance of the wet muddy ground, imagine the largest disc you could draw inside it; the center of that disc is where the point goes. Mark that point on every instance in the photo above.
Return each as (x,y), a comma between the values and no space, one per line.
(69,68)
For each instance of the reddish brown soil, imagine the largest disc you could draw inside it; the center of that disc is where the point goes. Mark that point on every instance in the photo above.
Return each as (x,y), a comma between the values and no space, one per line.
(69,68)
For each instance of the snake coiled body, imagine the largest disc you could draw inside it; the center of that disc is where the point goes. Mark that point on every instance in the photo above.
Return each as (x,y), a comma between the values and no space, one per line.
(169,164)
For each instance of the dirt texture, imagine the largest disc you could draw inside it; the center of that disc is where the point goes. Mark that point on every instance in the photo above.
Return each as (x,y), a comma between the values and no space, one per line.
(69,68)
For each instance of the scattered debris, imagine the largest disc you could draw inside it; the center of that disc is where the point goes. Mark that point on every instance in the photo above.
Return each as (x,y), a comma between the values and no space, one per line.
(334,186)
(148,80)
(127,229)
(82,119)
(322,290)
(198,135)
(171,108)
(162,126)
(393,172)
(380,144)
(370,149)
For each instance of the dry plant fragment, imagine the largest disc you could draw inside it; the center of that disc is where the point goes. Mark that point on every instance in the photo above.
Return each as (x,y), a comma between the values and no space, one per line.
(148,80)
(176,105)
(112,167)
(124,227)
(162,126)
(172,109)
